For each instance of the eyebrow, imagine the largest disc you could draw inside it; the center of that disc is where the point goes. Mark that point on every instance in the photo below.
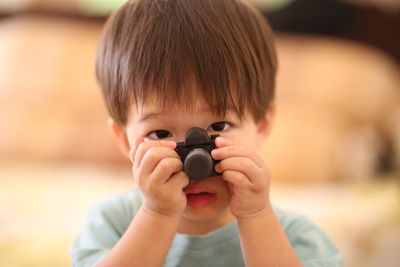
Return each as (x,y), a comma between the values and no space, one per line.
(149,116)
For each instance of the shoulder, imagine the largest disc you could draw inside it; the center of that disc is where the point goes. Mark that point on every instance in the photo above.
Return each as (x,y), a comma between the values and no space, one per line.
(106,222)
(122,206)
(312,245)
(116,211)
(291,222)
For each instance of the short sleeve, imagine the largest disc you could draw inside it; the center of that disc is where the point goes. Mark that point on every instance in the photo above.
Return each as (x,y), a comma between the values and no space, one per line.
(106,223)
(312,245)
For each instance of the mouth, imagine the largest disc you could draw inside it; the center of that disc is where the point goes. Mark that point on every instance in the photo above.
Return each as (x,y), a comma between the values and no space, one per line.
(196,189)
(199,196)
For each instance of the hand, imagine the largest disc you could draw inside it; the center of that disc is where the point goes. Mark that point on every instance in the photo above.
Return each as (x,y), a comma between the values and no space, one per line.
(158,172)
(247,175)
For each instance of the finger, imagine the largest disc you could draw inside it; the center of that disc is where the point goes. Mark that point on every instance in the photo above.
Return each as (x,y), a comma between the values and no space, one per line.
(144,146)
(164,170)
(237,151)
(223,141)
(178,180)
(153,156)
(237,179)
(132,152)
(239,164)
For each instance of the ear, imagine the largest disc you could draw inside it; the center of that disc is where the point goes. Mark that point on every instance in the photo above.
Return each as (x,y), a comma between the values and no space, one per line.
(120,134)
(264,125)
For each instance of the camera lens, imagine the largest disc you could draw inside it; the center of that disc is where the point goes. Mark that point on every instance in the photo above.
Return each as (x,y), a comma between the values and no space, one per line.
(198,164)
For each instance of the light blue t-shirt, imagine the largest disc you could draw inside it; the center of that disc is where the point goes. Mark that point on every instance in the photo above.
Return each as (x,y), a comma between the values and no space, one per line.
(109,219)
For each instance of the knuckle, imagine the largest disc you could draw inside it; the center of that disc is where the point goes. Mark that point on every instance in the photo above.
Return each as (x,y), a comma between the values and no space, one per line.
(241,177)
(151,154)
(164,165)
(178,163)
(228,150)
(228,174)
(182,176)
(222,165)
(247,164)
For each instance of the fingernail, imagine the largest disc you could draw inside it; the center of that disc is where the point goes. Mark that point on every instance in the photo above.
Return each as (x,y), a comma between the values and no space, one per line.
(220,140)
(215,152)
(171,144)
(216,167)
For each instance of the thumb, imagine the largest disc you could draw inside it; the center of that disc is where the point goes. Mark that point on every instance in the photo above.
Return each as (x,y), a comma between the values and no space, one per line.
(135,146)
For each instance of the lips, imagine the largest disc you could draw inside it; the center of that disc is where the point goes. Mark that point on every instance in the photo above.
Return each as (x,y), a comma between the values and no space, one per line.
(198,196)
(196,189)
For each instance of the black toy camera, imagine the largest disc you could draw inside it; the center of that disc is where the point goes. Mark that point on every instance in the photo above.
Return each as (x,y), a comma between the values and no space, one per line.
(195,154)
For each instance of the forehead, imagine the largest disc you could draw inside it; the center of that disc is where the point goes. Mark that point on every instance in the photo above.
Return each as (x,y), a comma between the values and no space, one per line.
(181,104)
(153,108)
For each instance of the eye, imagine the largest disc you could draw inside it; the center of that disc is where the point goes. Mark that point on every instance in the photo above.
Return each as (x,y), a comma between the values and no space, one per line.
(219,126)
(159,134)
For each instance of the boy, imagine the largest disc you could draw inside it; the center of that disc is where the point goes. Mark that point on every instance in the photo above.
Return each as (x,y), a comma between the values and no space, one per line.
(166,66)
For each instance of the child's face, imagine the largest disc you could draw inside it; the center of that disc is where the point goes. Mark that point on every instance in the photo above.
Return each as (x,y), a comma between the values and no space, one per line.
(151,123)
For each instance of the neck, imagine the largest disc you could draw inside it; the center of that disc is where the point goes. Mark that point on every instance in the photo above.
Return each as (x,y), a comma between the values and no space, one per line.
(193,226)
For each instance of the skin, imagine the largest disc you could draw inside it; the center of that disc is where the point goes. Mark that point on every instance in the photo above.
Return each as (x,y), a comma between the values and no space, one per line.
(242,190)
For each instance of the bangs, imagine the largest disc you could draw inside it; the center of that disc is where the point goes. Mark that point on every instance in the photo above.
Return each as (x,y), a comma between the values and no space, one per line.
(188,91)
(180,52)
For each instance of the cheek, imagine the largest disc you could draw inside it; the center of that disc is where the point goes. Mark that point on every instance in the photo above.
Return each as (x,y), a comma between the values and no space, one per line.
(131,135)
(224,194)
(249,137)
(253,142)
(235,135)
(219,185)
(131,141)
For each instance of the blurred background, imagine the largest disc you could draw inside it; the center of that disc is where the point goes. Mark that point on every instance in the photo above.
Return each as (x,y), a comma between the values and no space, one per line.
(334,151)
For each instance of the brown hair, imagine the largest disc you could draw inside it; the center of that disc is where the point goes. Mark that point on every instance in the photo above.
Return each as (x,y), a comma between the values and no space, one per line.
(178,50)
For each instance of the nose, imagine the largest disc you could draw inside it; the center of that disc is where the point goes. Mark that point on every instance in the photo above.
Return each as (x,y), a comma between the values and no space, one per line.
(180,135)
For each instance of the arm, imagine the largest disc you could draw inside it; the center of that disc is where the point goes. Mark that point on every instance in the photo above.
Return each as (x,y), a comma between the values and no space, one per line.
(263,240)
(145,243)
(158,173)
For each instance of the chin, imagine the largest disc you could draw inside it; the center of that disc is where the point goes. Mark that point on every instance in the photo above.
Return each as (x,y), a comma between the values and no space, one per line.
(205,214)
